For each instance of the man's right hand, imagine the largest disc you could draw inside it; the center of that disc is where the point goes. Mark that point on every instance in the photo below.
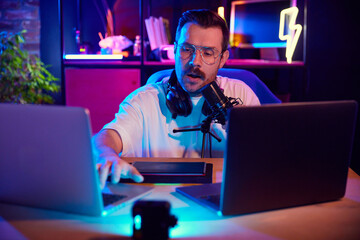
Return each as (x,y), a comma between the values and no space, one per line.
(118,168)
(107,145)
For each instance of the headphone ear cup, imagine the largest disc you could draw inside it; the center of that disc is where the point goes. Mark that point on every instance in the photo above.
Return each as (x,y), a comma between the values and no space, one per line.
(178,101)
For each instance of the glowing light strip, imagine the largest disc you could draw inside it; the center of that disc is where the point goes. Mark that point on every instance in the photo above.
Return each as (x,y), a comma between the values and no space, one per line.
(295,30)
(262,45)
(221,12)
(166,184)
(232,23)
(94,56)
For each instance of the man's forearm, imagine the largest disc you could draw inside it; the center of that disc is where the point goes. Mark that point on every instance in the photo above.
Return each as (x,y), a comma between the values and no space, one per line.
(107,141)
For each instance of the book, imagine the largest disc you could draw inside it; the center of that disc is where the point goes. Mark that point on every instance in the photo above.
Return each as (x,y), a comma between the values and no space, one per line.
(158,31)
(150,32)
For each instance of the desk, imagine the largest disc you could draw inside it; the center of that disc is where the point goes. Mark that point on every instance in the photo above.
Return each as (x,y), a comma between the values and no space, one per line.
(331,220)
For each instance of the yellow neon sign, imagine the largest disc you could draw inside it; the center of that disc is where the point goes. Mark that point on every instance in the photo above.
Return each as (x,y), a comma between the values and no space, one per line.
(221,12)
(294,31)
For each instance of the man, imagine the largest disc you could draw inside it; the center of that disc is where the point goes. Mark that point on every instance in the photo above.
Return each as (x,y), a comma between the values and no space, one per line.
(144,125)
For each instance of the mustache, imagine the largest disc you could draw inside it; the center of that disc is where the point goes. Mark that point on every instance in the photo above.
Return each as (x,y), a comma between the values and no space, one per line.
(196,71)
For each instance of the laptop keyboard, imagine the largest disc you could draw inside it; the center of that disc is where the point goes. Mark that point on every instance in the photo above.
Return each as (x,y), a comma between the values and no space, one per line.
(214,199)
(111,198)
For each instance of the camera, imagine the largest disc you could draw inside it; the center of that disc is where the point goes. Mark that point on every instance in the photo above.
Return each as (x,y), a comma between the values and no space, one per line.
(152,220)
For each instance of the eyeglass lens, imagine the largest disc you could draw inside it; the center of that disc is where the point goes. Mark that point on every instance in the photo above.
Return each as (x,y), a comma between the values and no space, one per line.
(209,55)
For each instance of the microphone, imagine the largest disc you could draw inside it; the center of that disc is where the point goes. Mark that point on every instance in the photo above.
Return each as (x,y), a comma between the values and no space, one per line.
(217,101)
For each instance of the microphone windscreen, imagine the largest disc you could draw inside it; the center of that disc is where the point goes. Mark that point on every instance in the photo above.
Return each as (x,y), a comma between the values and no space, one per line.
(216,100)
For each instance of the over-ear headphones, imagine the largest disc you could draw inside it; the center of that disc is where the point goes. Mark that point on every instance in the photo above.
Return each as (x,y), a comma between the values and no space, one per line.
(178,100)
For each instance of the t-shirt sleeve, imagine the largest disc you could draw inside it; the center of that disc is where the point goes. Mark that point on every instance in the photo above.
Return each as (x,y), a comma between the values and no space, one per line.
(128,122)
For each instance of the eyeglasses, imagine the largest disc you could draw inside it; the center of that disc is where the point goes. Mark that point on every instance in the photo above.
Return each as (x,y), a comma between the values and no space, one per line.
(208,54)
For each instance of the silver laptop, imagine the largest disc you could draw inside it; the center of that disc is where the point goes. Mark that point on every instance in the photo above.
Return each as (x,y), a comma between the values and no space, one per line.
(46,161)
(282,155)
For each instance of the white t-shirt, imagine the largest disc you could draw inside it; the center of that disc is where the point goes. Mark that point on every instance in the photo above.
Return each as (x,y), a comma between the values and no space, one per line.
(146,126)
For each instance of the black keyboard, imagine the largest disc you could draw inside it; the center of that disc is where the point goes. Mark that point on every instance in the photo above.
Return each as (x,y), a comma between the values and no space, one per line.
(214,199)
(109,198)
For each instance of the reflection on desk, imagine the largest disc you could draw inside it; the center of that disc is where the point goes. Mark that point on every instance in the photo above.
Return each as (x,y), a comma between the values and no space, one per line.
(331,220)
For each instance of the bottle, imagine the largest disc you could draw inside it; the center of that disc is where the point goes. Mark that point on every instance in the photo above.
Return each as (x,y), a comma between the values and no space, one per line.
(137,46)
(77,40)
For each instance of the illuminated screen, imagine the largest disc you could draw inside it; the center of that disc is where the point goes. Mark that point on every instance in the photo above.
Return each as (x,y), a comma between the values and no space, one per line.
(256,23)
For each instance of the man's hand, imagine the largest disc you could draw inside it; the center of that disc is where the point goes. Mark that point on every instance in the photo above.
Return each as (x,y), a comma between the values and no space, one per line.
(112,164)
(107,145)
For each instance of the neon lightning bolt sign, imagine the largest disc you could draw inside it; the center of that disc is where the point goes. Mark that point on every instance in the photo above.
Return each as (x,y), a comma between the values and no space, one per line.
(294,31)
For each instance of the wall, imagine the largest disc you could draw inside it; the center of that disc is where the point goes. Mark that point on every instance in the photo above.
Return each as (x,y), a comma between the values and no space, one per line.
(16,15)
(332,56)
(50,44)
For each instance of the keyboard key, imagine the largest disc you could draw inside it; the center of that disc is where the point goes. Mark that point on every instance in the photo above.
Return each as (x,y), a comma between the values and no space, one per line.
(109,198)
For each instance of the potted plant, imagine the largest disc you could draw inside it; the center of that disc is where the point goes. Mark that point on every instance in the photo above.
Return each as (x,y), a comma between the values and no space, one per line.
(23,77)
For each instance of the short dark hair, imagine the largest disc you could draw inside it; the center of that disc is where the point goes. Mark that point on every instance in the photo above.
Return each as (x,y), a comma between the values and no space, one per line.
(205,18)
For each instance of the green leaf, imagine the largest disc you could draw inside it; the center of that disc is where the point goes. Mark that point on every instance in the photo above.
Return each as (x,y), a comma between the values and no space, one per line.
(24,78)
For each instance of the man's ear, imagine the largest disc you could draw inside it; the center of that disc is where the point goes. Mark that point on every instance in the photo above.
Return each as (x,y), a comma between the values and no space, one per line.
(224,58)
(175,46)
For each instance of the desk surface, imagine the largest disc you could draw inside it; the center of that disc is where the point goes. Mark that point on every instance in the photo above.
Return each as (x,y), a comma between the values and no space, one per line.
(331,220)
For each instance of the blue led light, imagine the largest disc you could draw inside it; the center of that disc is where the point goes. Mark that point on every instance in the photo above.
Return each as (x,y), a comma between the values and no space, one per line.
(137,222)
(104,213)
(269,45)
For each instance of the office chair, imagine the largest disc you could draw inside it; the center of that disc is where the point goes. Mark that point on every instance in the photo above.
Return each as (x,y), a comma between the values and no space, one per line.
(261,90)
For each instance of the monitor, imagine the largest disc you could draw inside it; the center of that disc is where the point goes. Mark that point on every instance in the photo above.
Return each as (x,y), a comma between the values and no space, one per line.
(255,23)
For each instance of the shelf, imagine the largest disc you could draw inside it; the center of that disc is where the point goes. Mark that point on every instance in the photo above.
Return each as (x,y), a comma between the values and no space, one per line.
(92,62)
(156,63)
(260,63)
(246,63)
(138,11)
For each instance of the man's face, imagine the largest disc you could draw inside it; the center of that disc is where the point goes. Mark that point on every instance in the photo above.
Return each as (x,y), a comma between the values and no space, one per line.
(193,73)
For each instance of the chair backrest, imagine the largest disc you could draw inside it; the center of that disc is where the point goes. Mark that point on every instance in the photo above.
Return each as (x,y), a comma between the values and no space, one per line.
(261,90)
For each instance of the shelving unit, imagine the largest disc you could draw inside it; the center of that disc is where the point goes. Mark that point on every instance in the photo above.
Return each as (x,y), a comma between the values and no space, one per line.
(141,69)
(145,9)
